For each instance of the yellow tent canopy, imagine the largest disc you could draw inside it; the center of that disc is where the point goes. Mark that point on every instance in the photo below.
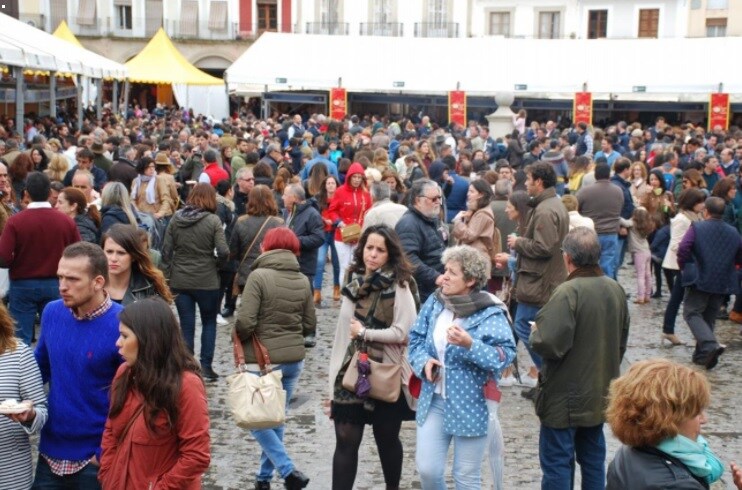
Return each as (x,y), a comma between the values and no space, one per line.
(161,63)
(64,32)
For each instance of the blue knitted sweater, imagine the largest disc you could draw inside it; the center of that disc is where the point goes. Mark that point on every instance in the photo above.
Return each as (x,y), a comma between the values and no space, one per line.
(79,360)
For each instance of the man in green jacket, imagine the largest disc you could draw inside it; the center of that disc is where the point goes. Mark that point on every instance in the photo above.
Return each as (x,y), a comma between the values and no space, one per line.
(580,334)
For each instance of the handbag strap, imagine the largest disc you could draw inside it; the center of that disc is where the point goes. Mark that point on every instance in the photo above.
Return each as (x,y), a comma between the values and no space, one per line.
(261,353)
(255,238)
(133,418)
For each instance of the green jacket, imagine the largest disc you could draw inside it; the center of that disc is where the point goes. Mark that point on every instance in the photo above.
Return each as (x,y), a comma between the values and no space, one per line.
(276,306)
(581,334)
(540,267)
(188,253)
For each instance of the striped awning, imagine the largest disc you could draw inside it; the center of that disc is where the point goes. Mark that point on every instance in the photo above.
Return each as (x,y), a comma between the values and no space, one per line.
(189,18)
(218,15)
(86,13)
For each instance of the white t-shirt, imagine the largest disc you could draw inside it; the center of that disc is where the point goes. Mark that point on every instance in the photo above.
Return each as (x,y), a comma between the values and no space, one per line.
(440,340)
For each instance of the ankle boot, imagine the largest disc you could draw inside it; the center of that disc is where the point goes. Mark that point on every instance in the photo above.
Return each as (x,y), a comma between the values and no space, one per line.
(296,480)
(336,293)
(317,297)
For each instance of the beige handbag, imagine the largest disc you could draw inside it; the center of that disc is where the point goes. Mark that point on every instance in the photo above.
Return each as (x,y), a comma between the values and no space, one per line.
(385,379)
(256,401)
(350,233)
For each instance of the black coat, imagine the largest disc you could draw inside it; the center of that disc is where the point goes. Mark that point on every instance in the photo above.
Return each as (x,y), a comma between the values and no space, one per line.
(424,244)
(307,225)
(111,215)
(649,468)
(88,230)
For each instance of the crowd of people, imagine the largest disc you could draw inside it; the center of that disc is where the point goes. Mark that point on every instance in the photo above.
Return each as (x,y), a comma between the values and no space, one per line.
(446,247)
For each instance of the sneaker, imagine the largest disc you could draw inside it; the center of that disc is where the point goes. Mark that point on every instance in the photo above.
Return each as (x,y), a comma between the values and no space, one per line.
(507,381)
(528,381)
(529,394)
(295,480)
(209,374)
(310,341)
(227,312)
(220,320)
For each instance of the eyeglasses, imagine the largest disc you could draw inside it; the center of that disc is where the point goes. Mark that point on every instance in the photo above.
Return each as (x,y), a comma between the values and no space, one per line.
(251,179)
(434,198)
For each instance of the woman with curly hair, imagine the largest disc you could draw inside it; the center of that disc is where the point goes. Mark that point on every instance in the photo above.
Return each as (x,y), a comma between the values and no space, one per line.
(157,431)
(656,409)
(58,167)
(131,274)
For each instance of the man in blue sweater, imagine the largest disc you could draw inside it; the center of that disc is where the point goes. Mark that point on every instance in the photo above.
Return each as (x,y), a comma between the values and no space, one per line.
(77,356)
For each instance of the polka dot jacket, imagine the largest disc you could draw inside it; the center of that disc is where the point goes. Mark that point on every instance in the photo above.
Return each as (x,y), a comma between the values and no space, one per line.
(492,350)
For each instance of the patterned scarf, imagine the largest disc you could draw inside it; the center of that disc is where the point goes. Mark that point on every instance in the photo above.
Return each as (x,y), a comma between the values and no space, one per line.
(466,305)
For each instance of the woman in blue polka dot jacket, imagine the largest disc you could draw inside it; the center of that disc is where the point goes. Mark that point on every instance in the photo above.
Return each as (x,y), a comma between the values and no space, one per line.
(460,338)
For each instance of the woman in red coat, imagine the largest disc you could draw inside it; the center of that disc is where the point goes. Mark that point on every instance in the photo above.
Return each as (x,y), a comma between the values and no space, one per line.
(348,206)
(157,432)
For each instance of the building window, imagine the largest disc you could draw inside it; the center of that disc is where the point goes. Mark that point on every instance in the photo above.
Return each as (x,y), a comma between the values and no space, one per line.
(549,25)
(500,24)
(267,16)
(330,12)
(123,17)
(597,25)
(717,4)
(649,21)
(382,11)
(716,27)
(437,12)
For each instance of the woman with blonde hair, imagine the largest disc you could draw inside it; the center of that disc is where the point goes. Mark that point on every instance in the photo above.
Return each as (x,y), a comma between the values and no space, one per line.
(425,153)
(381,160)
(639,186)
(116,207)
(58,167)
(656,410)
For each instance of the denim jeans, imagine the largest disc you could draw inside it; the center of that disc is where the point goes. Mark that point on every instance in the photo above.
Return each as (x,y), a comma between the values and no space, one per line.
(608,253)
(623,245)
(557,449)
(432,451)
(673,305)
(329,244)
(208,304)
(523,315)
(85,479)
(271,440)
(28,297)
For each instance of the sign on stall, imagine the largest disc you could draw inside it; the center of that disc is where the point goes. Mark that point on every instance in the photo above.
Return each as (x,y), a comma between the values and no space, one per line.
(582,109)
(719,111)
(457,107)
(338,103)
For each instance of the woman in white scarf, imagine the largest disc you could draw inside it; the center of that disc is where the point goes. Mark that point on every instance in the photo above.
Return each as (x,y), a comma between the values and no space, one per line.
(150,193)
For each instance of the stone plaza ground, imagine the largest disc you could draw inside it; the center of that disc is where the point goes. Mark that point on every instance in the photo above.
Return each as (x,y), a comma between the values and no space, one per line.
(310,437)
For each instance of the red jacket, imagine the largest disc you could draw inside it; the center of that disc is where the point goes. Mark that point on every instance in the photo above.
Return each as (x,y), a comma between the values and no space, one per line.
(215,173)
(349,205)
(170,460)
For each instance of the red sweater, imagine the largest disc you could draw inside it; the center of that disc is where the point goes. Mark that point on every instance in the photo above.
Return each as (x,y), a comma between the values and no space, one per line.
(349,205)
(33,241)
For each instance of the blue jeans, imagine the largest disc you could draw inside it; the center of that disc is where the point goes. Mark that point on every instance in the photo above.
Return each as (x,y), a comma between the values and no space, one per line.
(28,297)
(271,440)
(208,304)
(85,479)
(623,245)
(608,253)
(432,451)
(523,315)
(329,243)
(557,449)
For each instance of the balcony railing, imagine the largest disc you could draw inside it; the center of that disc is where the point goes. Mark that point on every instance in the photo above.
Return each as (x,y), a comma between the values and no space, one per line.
(147,27)
(328,28)
(388,29)
(436,29)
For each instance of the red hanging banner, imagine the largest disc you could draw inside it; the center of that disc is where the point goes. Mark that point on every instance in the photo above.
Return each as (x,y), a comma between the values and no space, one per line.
(582,109)
(338,103)
(457,107)
(719,111)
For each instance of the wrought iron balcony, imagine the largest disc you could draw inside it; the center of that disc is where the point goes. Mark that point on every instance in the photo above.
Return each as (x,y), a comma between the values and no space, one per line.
(328,28)
(436,29)
(387,29)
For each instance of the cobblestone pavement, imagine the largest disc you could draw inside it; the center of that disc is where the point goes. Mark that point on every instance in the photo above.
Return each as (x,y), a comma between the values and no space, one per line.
(310,438)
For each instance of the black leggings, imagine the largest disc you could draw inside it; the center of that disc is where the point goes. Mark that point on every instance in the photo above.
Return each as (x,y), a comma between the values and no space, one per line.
(348,440)
(658,271)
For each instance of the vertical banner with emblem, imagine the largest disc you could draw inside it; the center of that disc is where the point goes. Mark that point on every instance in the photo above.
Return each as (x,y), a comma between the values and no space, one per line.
(338,103)
(582,110)
(719,111)
(457,107)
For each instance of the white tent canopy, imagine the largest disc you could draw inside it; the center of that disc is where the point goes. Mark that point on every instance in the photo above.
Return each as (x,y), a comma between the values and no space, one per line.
(551,68)
(44,51)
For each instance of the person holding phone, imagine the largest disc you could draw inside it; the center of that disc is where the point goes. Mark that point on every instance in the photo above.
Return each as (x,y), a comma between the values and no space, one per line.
(460,338)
